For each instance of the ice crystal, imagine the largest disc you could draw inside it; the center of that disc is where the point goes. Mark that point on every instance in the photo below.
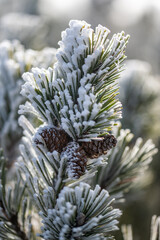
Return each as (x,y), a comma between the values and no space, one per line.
(80,212)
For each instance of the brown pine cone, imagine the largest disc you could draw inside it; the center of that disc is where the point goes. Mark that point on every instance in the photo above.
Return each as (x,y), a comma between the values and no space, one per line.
(54,138)
(97,147)
(77,160)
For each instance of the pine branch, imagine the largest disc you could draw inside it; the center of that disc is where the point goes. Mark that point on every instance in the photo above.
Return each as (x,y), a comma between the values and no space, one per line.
(76,106)
(125,164)
(76,101)
(140,88)
(48,197)
(79,213)
(14,61)
(10,206)
(80,93)
(11,224)
(67,97)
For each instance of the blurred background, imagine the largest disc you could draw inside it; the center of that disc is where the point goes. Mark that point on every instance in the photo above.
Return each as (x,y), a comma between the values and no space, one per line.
(38,24)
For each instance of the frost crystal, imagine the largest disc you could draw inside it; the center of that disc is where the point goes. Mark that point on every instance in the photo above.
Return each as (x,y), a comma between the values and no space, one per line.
(80,93)
(80,212)
(77,160)
(14,61)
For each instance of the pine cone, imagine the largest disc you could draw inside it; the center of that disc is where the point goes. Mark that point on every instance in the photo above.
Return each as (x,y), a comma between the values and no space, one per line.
(96,148)
(54,138)
(77,160)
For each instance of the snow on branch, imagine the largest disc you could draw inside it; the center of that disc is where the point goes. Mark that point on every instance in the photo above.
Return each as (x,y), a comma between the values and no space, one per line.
(80,93)
(80,212)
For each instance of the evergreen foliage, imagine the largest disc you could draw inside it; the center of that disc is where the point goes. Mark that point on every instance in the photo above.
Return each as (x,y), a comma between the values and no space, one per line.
(14,61)
(125,163)
(15,222)
(140,88)
(75,102)
(80,92)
